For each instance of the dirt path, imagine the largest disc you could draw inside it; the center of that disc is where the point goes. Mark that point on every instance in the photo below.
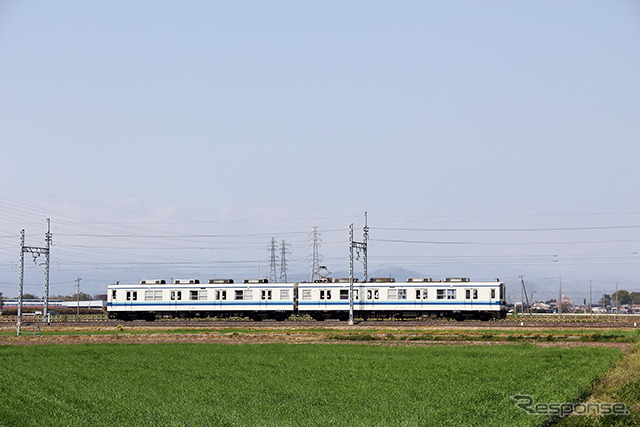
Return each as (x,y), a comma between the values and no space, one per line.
(333,335)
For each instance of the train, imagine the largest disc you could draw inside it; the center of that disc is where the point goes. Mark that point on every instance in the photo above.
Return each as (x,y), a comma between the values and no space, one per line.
(257,299)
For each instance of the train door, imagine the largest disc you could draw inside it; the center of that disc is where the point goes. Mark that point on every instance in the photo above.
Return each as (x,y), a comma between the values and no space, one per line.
(325,297)
(175,298)
(492,297)
(219,297)
(373,295)
(130,299)
(470,297)
(420,300)
(266,296)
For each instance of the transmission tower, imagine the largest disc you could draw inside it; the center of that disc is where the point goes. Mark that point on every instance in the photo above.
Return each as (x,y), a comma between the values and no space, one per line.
(316,258)
(273,262)
(283,262)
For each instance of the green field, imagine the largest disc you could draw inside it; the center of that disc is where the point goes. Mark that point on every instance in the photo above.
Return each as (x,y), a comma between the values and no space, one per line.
(280,384)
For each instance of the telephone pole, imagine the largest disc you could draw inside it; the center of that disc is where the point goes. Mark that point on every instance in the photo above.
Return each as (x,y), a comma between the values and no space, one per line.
(560,298)
(78,298)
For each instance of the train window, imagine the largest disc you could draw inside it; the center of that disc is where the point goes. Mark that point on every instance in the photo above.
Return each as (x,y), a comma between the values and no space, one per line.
(475,294)
(376,294)
(265,295)
(355,294)
(392,294)
(193,295)
(224,294)
(176,295)
(493,293)
(402,294)
(440,294)
(239,295)
(148,295)
(467,293)
(221,295)
(306,295)
(502,292)
(328,294)
(134,295)
(202,294)
(451,294)
(113,294)
(284,294)
(344,294)
(248,294)
(418,294)
(128,295)
(424,294)
(369,294)
(217,295)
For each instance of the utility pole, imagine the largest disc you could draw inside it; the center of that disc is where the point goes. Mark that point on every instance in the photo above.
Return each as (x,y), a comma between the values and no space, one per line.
(283,262)
(523,291)
(560,298)
(357,245)
(78,298)
(273,264)
(35,251)
(617,306)
(591,298)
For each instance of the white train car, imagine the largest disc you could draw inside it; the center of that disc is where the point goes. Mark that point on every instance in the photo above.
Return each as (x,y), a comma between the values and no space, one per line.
(257,299)
(149,299)
(453,298)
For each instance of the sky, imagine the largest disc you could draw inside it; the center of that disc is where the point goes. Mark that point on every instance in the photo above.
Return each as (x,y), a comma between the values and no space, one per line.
(173,139)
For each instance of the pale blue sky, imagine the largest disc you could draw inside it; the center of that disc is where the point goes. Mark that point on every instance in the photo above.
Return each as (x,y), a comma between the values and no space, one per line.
(143,118)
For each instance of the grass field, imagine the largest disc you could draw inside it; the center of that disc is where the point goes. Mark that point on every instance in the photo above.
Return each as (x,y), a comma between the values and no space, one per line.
(280,384)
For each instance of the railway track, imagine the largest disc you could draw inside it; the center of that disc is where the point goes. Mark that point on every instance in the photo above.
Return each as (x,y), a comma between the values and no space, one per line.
(269,324)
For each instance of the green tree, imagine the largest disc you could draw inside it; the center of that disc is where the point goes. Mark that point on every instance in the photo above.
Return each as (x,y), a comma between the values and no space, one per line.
(622,296)
(83,297)
(635,297)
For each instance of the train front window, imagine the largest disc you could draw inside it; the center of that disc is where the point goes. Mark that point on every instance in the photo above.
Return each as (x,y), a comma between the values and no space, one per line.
(113,294)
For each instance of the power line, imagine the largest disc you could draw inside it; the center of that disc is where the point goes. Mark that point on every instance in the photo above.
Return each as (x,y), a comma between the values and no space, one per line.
(431,230)
(435,242)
